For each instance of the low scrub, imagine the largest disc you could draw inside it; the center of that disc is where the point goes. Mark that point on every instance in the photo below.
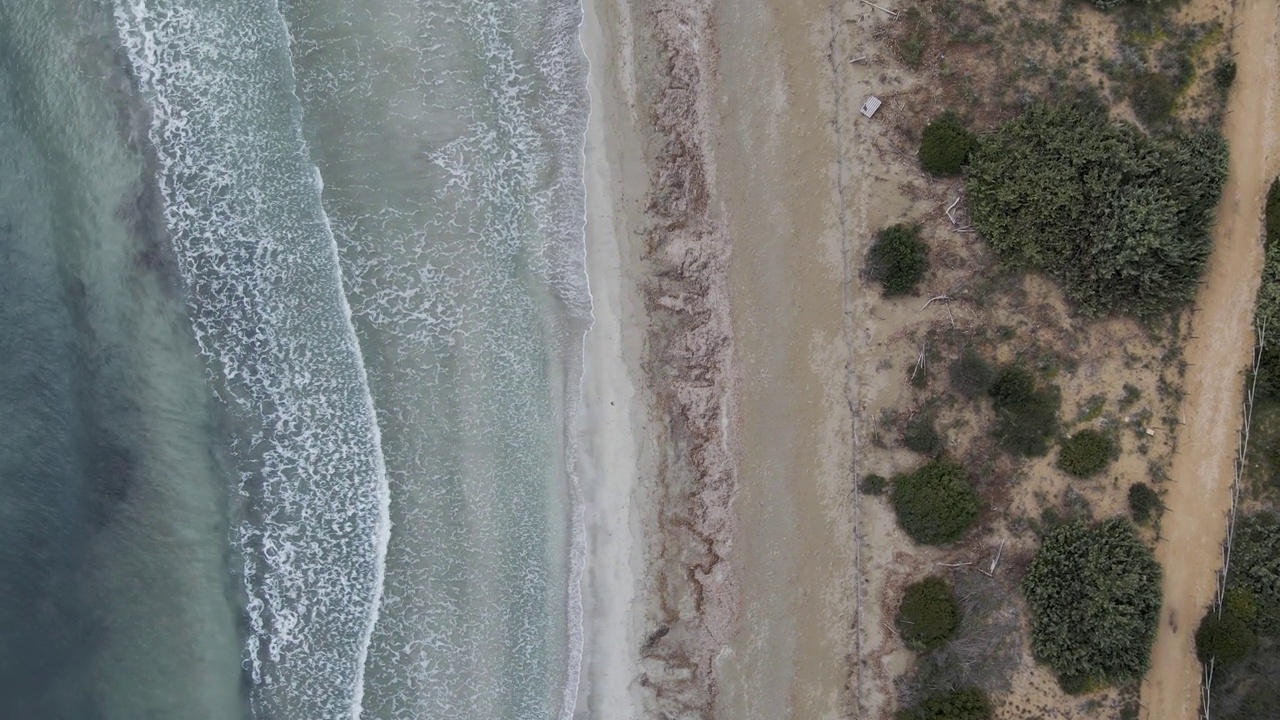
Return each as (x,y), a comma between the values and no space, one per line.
(920,436)
(898,259)
(962,704)
(873,485)
(971,374)
(935,504)
(1224,73)
(928,614)
(1086,453)
(1143,502)
(1094,596)
(1026,414)
(1108,4)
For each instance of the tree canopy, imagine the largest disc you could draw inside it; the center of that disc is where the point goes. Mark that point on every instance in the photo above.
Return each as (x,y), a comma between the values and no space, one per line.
(1121,221)
(935,504)
(1094,595)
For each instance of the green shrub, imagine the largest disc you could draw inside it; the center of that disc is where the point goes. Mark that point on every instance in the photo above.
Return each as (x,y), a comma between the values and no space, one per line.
(1012,387)
(1074,684)
(1268,298)
(873,485)
(1120,220)
(1086,453)
(920,436)
(1226,639)
(1143,501)
(1131,395)
(1255,568)
(898,259)
(945,145)
(1224,73)
(935,504)
(1094,596)
(1242,603)
(962,704)
(971,375)
(1272,211)
(1026,416)
(1152,96)
(928,614)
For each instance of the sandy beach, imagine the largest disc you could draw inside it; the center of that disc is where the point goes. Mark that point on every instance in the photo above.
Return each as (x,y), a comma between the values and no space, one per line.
(797,555)
(721,553)
(613,416)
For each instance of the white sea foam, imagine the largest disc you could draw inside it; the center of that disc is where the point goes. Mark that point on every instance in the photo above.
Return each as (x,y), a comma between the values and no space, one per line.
(261,271)
(464,265)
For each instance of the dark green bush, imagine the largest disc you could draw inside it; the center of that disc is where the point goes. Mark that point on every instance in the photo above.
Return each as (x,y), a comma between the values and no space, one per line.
(1224,73)
(945,145)
(1242,603)
(1086,453)
(1094,596)
(1026,415)
(873,485)
(1268,299)
(1143,501)
(928,614)
(1152,96)
(963,704)
(1120,220)
(1272,211)
(1073,684)
(935,504)
(920,436)
(898,259)
(971,375)
(1226,639)
(1255,568)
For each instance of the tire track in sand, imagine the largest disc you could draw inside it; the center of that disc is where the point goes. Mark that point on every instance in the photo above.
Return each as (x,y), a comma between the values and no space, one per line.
(1199,494)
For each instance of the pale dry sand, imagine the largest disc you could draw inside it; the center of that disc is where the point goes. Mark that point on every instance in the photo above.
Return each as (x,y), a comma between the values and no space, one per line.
(1199,496)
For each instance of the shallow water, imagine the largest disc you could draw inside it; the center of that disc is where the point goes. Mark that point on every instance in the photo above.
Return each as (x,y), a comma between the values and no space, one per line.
(293,300)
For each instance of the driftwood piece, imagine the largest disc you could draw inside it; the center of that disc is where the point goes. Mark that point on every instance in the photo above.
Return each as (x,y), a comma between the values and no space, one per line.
(892,13)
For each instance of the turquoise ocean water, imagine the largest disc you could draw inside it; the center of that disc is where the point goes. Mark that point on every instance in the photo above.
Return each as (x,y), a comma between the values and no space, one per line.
(291,317)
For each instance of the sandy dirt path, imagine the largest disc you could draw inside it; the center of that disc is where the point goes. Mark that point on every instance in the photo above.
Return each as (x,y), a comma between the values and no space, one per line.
(776,160)
(1199,494)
